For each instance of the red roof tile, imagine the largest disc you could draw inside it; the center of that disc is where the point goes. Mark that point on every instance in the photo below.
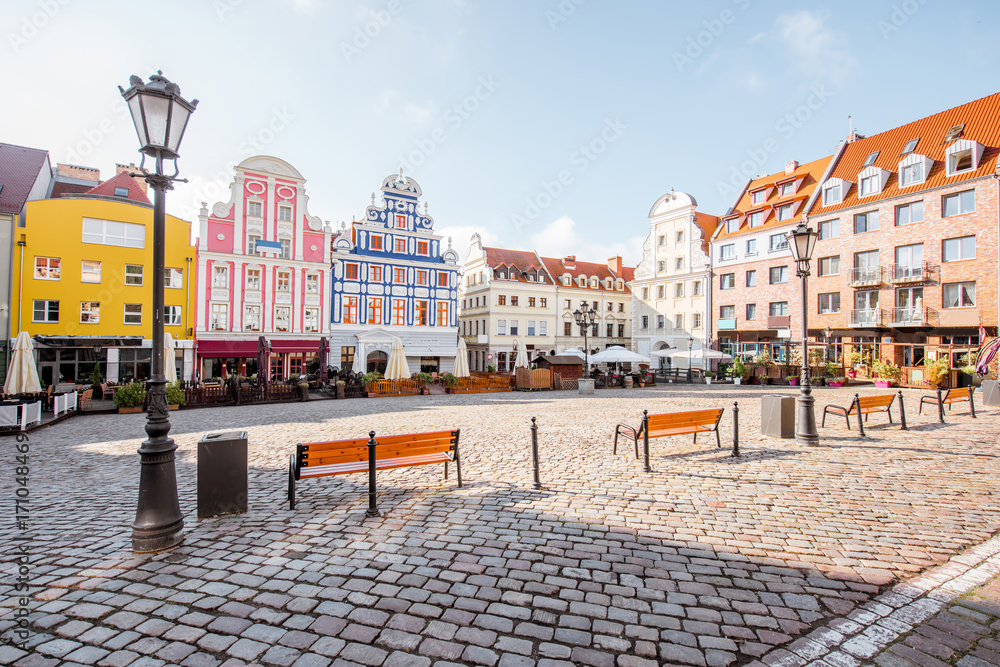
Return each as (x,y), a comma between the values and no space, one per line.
(60,188)
(556,268)
(523,260)
(122,180)
(19,169)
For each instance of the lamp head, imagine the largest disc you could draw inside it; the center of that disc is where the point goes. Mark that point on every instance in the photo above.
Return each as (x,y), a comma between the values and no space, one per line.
(159,113)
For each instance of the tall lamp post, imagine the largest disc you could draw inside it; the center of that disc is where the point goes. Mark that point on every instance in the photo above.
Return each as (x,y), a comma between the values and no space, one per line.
(690,356)
(585,319)
(160,116)
(826,342)
(802,241)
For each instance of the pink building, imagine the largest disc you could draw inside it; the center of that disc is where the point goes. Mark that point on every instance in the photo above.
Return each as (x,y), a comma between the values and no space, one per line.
(263,270)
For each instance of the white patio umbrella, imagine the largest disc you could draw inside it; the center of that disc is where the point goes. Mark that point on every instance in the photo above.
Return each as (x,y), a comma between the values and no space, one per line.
(169,367)
(359,360)
(461,360)
(618,355)
(575,351)
(522,355)
(22,376)
(696,355)
(397,368)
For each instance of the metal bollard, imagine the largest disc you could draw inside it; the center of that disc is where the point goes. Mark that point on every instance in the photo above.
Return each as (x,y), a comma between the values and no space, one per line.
(972,401)
(940,406)
(372,509)
(861,422)
(645,442)
(736,428)
(902,413)
(537,483)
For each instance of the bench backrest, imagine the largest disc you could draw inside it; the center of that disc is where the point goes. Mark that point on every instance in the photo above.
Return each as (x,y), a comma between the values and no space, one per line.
(957,394)
(690,418)
(311,454)
(877,401)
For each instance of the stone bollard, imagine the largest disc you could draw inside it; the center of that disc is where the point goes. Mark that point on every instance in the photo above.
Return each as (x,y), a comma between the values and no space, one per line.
(586,386)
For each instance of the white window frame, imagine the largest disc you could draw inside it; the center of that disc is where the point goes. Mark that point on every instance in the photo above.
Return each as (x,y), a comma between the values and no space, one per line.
(310,321)
(127,314)
(255,208)
(45,265)
(958,196)
(829,303)
(956,151)
(84,273)
(112,232)
(253,278)
(131,276)
(287,282)
(91,315)
(756,219)
(832,224)
(312,283)
(958,241)
(833,191)
(173,316)
(284,212)
(220,277)
(543,327)
(215,311)
(909,208)
(727,252)
(282,318)
(501,327)
(251,317)
(168,278)
(47,309)
(958,285)
(252,244)
(286,248)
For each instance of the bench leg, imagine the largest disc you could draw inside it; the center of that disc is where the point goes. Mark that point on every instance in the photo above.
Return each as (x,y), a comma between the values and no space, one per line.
(614,448)
(888,414)
(823,425)
(291,481)
(718,442)
(458,466)
(446,471)
(696,438)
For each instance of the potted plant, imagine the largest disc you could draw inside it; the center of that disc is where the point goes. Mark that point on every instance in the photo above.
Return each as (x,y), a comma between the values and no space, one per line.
(885,372)
(303,384)
(130,397)
(792,380)
(450,382)
(764,361)
(175,395)
(708,377)
(424,379)
(936,370)
(739,371)
(831,370)
(835,381)
(491,369)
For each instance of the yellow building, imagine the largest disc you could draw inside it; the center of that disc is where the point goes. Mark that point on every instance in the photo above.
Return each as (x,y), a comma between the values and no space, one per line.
(82,272)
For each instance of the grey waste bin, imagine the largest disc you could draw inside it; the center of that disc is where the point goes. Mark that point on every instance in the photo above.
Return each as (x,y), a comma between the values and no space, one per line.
(222,474)
(991,393)
(777,416)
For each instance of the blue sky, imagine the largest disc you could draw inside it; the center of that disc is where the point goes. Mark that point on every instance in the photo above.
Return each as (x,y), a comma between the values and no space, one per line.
(548,124)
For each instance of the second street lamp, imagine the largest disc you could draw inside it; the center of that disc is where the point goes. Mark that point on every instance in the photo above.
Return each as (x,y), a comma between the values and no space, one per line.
(802,241)
(585,319)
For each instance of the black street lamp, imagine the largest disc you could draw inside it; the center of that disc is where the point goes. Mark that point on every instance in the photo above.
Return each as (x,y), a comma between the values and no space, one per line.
(826,342)
(160,116)
(802,241)
(690,356)
(585,319)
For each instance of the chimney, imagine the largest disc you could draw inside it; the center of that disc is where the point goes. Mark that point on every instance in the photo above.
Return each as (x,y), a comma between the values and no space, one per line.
(79,173)
(569,261)
(615,264)
(791,167)
(132,169)
(854,136)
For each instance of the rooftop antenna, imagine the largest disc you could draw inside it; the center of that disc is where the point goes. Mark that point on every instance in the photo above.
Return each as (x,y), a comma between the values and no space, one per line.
(850,126)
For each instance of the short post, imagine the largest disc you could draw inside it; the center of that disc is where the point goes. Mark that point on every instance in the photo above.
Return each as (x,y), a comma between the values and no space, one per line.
(645,441)
(940,406)
(861,423)
(536,483)
(972,404)
(372,509)
(736,428)
(902,413)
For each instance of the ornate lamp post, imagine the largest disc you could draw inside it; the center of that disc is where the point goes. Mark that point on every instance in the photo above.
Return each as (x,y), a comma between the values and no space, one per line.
(802,241)
(585,319)
(826,342)
(160,116)
(690,356)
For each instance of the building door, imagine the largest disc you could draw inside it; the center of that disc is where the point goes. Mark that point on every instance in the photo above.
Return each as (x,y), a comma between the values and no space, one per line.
(866,308)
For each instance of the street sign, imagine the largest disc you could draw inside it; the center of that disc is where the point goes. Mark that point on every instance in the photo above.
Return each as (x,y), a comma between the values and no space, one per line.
(490,356)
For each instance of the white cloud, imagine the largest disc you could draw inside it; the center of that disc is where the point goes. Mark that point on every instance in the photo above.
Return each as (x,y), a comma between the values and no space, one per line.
(756,38)
(816,49)
(561,238)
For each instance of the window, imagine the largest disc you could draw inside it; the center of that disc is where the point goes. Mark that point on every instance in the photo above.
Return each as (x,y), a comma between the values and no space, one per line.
(645,294)
(501,327)
(727,312)
(501,299)
(787,189)
(910,146)
(133,313)
(870,160)
(831,194)
(513,300)
(442,279)
(959,161)
(376,242)
(958,203)
(660,321)
(531,302)
(47,268)
(45,311)
(621,330)
(660,291)
(121,192)
(374,273)
(567,328)
(756,219)
(679,321)
(133,274)
(543,302)
(869,185)
(422,277)
(679,263)
(284,281)
(569,304)
(423,248)
(349,310)
(284,213)
(778,309)
(907,214)
(696,324)
(399,275)
(779,274)
(865,222)
(254,209)
(829,229)
(374,310)
(733,225)
(310,317)
(954,250)
(757,197)
(751,311)
(252,244)
(399,246)
(253,278)
(399,312)
(350,271)
(678,290)
(219,317)
(727,281)
(911,174)
(90,272)
(751,278)
(829,303)
(251,318)
(286,248)
(531,328)
(956,295)
(751,247)
(400,221)
(661,240)
(282,318)
(784,212)
(777,242)
(420,313)
(829,266)
(679,237)
(645,322)
(110,232)
(727,251)
(543,328)
(90,312)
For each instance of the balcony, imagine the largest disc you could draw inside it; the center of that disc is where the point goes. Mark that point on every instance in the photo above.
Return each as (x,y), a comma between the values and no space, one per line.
(869,317)
(726,325)
(902,274)
(909,317)
(778,321)
(865,276)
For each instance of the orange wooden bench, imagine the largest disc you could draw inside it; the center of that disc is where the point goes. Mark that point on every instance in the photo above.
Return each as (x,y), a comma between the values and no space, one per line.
(949,398)
(862,405)
(671,423)
(341,457)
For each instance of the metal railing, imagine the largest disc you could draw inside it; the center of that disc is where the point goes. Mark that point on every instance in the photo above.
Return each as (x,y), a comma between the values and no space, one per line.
(908,273)
(865,317)
(865,275)
(909,317)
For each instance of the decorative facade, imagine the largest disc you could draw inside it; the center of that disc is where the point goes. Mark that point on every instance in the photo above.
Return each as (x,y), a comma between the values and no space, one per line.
(263,267)
(672,287)
(392,277)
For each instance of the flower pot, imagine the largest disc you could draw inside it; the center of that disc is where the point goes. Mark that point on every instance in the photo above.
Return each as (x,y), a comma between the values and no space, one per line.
(793,382)
(708,380)
(737,380)
(834,383)
(340,391)
(129,411)
(173,406)
(883,384)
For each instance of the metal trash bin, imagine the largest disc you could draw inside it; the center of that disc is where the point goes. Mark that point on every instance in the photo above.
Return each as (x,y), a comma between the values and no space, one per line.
(991,393)
(222,474)
(777,416)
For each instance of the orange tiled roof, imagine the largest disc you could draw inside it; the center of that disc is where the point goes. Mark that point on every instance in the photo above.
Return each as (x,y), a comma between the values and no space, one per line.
(810,173)
(556,269)
(523,260)
(708,224)
(980,118)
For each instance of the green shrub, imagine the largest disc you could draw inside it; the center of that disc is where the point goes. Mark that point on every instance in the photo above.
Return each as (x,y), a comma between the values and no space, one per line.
(131,395)
(739,369)
(368,378)
(449,380)
(175,395)
(885,370)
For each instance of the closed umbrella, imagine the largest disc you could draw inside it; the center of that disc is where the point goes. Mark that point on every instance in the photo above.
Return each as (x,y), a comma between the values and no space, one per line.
(169,364)
(359,360)
(522,355)
(461,360)
(22,376)
(397,368)
(263,367)
(324,353)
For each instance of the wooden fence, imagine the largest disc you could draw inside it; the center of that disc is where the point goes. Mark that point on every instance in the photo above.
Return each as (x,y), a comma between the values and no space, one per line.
(248,393)
(472,385)
(540,378)
(407,387)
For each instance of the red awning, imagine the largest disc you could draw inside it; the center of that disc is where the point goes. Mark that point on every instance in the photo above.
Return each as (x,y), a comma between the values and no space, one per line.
(227,348)
(284,346)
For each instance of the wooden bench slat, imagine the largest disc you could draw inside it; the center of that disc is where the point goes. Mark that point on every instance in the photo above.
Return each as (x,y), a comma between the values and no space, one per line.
(679,431)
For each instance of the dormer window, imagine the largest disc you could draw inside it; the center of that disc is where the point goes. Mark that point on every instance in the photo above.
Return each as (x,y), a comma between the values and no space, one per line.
(913,169)
(962,156)
(758,197)
(501,275)
(732,225)
(870,160)
(871,180)
(756,219)
(593,283)
(121,192)
(566,280)
(833,192)
(787,189)
(784,212)
(869,185)
(910,146)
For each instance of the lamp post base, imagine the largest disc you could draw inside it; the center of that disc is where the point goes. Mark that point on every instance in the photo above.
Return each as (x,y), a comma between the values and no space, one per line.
(805,427)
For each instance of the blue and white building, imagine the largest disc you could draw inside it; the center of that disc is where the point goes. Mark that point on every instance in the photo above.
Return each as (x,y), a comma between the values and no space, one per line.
(392,277)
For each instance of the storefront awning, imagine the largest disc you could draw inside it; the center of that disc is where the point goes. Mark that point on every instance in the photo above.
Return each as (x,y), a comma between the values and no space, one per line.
(227,348)
(285,346)
(89,341)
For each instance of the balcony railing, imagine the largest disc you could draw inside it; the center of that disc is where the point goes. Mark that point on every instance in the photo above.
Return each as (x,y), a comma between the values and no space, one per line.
(906,273)
(865,276)
(909,317)
(867,317)
(726,324)
(778,321)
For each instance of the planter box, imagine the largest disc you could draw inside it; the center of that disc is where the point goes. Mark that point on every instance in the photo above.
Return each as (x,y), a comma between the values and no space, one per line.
(835,384)
(737,380)
(883,384)
(129,411)
(173,407)
(794,382)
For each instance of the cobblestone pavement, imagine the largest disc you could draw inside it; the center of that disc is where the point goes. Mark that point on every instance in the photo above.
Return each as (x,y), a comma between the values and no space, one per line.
(708,560)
